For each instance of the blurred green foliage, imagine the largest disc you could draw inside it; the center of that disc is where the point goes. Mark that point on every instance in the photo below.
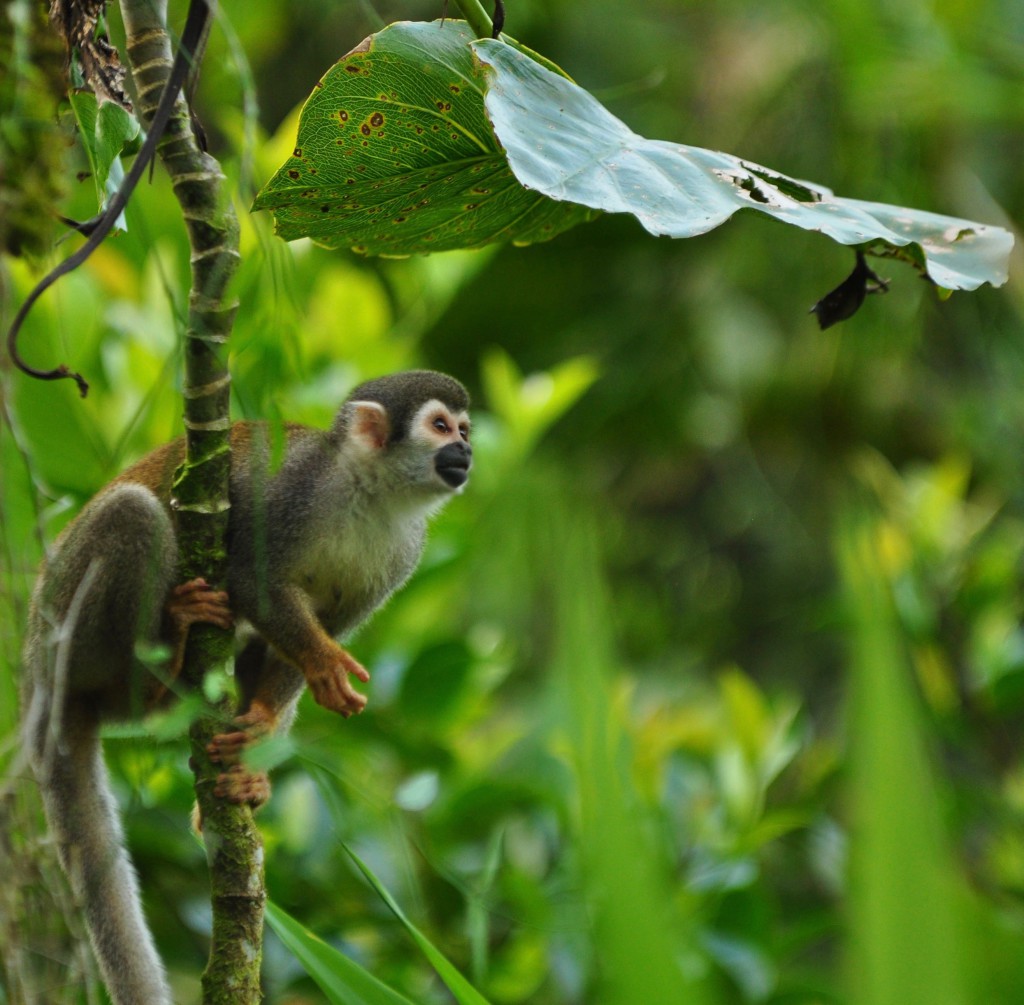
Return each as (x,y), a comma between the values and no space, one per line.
(714,678)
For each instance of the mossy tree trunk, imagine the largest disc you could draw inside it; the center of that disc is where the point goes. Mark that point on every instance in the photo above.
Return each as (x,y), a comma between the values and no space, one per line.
(233,844)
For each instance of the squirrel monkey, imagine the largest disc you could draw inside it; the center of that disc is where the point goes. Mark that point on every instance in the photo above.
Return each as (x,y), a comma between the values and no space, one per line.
(315,545)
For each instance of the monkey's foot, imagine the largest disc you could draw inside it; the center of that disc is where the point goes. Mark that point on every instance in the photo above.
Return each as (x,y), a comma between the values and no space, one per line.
(331,687)
(228,748)
(240,785)
(196,601)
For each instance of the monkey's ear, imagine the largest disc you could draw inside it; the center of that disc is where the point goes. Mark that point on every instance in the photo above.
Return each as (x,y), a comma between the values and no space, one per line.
(370,427)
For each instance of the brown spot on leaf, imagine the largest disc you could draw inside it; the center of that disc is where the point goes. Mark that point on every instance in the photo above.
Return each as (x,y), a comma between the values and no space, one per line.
(325,209)
(293,174)
(454,88)
(364,129)
(376,119)
(297,152)
(343,115)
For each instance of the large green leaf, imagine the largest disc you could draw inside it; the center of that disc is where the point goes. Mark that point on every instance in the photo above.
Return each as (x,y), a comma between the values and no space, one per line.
(394,155)
(561,141)
(424,139)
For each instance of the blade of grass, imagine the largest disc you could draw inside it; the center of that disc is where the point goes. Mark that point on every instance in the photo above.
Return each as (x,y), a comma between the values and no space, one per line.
(342,980)
(464,992)
(905,943)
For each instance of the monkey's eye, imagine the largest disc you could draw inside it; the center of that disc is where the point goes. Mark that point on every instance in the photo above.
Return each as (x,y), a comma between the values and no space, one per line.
(464,431)
(441,425)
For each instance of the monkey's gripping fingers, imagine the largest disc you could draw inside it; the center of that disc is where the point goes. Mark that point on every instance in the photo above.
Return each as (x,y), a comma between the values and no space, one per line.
(196,601)
(331,687)
(228,748)
(240,785)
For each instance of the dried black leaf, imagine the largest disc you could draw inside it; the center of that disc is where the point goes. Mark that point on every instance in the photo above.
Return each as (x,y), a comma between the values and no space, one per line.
(75,21)
(845,300)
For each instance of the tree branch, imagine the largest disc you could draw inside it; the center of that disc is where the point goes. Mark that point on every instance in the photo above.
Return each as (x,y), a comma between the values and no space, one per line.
(201,504)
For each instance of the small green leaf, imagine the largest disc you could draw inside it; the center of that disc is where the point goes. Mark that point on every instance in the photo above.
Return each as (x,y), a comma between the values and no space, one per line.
(394,155)
(342,980)
(529,406)
(106,132)
(115,129)
(561,141)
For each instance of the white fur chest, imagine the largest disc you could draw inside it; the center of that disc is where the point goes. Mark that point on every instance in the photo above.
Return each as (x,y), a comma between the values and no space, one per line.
(350,570)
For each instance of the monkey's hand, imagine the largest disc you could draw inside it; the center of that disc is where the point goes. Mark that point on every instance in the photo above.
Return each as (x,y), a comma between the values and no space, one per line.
(330,684)
(196,601)
(240,784)
(189,604)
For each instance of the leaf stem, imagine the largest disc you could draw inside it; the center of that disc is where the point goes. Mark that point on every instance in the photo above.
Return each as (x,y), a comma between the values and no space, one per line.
(476,17)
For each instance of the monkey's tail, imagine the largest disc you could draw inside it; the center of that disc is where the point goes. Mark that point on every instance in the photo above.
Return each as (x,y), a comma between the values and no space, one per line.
(83,816)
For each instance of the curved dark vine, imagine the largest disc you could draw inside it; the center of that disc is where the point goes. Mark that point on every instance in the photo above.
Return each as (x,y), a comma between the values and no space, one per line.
(99,226)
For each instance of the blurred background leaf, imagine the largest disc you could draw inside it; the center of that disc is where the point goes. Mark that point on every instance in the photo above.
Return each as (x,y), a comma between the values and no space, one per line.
(906,945)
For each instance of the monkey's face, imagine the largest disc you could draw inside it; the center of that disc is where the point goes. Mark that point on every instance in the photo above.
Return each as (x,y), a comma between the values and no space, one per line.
(428,454)
(446,434)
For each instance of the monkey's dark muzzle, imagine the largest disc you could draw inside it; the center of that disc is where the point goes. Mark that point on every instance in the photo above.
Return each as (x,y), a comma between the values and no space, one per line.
(452,463)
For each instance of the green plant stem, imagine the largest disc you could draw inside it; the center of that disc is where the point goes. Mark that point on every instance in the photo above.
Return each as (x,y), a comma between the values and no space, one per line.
(476,17)
(201,506)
